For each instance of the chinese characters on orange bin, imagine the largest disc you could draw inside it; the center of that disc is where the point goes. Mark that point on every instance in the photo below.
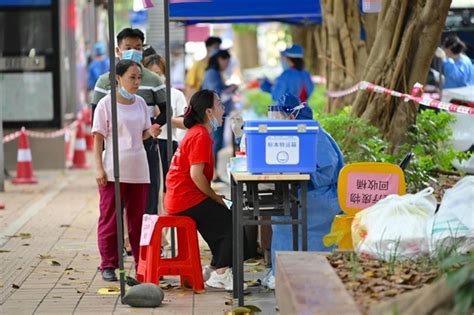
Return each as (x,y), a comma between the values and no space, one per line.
(365,189)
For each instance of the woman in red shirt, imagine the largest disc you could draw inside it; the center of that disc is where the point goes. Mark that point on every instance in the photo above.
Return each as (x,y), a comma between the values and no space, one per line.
(188,189)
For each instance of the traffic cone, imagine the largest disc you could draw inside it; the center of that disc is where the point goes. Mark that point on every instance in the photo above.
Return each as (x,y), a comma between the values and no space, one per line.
(79,158)
(24,165)
(86,115)
(67,143)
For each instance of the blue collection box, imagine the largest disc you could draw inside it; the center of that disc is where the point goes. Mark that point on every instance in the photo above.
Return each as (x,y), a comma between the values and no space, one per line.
(281,146)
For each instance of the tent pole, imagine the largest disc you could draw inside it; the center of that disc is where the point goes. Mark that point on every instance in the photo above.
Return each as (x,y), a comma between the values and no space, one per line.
(169,110)
(113,101)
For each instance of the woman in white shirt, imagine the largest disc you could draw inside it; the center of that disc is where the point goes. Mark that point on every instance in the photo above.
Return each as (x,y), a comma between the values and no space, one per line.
(134,126)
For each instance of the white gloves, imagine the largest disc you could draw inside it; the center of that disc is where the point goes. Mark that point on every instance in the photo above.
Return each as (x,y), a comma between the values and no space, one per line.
(440,53)
(237,123)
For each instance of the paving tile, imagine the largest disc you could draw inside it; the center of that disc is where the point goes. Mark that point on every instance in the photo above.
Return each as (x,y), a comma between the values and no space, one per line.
(64,230)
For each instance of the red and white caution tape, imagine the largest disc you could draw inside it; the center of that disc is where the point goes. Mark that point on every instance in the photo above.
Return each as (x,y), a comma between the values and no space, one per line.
(41,135)
(364,85)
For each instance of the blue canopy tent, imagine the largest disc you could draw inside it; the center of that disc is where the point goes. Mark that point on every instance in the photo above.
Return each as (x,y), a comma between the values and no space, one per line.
(246,11)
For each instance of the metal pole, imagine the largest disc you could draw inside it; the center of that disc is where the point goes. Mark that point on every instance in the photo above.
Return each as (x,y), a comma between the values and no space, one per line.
(118,206)
(2,150)
(169,110)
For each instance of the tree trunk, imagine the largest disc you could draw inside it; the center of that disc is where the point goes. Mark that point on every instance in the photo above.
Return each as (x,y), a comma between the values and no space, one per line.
(246,48)
(408,34)
(344,51)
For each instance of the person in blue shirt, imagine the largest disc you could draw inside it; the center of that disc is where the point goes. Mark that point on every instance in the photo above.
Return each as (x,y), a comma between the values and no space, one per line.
(213,80)
(294,79)
(98,66)
(457,67)
(322,198)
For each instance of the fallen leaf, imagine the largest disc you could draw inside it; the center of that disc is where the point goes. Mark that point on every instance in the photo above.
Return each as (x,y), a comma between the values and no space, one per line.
(165,285)
(41,256)
(80,291)
(109,290)
(72,278)
(54,263)
(253,308)
(253,283)
(24,235)
(26,244)
(15,286)
(252,262)
(69,268)
(65,225)
(4,251)
(239,310)
(369,273)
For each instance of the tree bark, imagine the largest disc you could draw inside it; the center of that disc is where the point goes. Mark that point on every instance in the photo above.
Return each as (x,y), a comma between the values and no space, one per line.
(246,48)
(408,34)
(345,51)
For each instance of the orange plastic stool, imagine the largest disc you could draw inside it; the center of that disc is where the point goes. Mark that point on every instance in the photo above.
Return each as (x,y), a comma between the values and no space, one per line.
(187,264)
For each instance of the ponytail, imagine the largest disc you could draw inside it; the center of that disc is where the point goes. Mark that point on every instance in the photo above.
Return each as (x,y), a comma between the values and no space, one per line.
(195,113)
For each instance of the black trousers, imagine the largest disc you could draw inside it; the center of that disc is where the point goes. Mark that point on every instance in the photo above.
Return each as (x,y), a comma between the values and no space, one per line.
(162,144)
(153,158)
(214,222)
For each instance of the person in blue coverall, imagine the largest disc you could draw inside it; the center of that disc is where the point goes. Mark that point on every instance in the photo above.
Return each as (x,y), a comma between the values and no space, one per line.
(457,67)
(294,79)
(322,198)
(98,66)
(214,81)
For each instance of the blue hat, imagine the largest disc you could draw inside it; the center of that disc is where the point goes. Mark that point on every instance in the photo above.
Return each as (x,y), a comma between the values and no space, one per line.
(292,105)
(295,51)
(99,48)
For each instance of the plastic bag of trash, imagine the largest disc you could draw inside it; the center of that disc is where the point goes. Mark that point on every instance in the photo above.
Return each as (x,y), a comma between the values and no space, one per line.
(452,227)
(395,227)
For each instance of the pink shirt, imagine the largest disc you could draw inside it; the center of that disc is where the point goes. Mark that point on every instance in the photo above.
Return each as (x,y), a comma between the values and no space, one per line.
(132,121)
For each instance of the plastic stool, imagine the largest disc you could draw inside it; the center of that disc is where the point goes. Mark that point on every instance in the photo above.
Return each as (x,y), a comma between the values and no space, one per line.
(187,264)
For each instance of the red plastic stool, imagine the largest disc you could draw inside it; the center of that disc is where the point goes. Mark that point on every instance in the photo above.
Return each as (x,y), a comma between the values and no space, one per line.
(187,264)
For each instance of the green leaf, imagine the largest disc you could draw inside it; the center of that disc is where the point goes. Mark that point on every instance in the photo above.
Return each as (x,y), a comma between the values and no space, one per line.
(454,260)
(459,277)
(463,299)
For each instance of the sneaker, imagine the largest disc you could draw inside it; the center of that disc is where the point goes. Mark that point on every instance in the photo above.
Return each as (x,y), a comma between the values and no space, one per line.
(265,278)
(222,281)
(206,272)
(271,282)
(108,274)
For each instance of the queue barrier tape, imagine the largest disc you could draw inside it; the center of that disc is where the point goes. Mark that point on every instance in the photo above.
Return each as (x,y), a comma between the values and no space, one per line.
(427,101)
(42,135)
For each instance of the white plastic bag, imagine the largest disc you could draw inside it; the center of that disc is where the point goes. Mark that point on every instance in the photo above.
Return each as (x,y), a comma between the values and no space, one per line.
(395,227)
(452,227)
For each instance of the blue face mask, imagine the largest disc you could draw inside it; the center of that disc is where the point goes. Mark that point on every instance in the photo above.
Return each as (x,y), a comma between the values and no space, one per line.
(214,123)
(132,54)
(126,94)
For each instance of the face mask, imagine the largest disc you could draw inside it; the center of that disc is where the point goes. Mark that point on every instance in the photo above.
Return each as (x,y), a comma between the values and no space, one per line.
(126,94)
(132,54)
(284,64)
(163,78)
(214,123)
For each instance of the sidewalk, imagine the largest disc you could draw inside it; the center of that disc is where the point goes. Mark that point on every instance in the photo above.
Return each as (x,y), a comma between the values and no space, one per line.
(49,256)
